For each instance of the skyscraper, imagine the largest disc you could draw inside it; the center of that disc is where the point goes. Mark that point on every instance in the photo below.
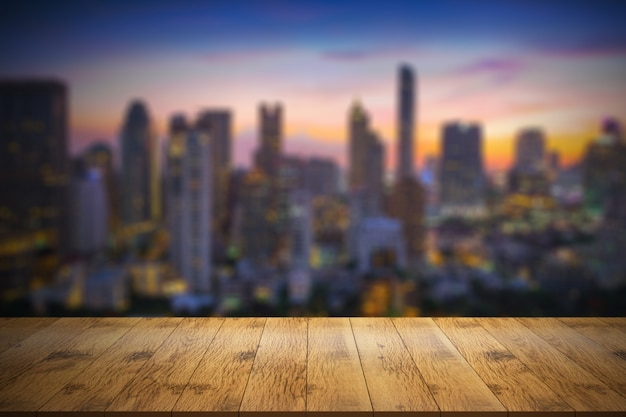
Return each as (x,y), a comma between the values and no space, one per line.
(366,162)
(34,163)
(406,113)
(100,156)
(358,142)
(138,170)
(176,150)
(89,211)
(189,189)
(220,125)
(462,177)
(529,150)
(271,137)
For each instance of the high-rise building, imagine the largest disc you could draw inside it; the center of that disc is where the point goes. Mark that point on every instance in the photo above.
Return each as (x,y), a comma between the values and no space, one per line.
(271,136)
(195,210)
(175,153)
(138,175)
(34,164)
(89,212)
(366,162)
(34,178)
(604,174)
(358,142)
(406,114)
(462,177)
(220,122)
(300,244)
(406,203)
(530,151)
(257,234)
(100,156)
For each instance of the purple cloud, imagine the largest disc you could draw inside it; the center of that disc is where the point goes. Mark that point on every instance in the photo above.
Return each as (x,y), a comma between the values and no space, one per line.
(493,66)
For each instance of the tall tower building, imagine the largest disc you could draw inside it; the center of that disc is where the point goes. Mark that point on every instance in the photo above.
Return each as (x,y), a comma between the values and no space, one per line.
(138,170)
(99,156)
(34,164)
(530,150)
(406,114)
(220,122)
(358,139)
(462,177)
(175,152)
(90,212)
(195,211)
(271,136)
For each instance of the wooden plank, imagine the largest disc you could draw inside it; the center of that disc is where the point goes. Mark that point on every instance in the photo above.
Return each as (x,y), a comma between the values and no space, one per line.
(93,390)
(609,337)
(156,387)
(454,384)
(19,358)
(393,380)
(617,322)
(30,390)
(577,387)
(277,381)
(14,330)
(335,380)
(218,383)
(595,359)
(519,390)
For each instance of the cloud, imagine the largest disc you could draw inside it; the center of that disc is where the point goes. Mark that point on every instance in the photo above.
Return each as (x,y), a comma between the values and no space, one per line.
(499,67)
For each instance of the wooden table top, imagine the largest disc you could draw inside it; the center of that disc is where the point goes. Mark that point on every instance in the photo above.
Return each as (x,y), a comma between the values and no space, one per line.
(297,366)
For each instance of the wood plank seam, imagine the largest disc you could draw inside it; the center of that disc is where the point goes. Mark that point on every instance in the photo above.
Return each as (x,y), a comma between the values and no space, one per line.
(470,365)
(361,364)
(252,367)
(417,366)
(198,364)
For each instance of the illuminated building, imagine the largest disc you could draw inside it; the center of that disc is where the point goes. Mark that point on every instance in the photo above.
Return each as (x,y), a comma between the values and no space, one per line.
(195,209)
(366,162)
(221,151)
(300,242)
(406,110)
(138,176)
(89,212)
(257,237)
(462,179)
(604,172)
(34,178)
(33,156)
(100,156)
(407,199)
(175,152)
(407,205)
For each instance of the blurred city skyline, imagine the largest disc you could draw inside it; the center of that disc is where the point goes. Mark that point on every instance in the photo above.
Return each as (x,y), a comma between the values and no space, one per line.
(507,66)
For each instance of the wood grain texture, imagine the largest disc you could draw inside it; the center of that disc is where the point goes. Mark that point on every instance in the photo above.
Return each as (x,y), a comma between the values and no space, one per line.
(519,390)
(95,388)
(592,357)
(19,358)
(577,387)
(609,337)
(454,384)
(335,381)
(14,330)
(277,382)
(618,322)
(157,386)
(30,390)
(218,383)
(393,381)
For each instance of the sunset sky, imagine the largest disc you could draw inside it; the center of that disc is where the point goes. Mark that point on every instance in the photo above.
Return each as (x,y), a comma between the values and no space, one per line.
(559,65)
